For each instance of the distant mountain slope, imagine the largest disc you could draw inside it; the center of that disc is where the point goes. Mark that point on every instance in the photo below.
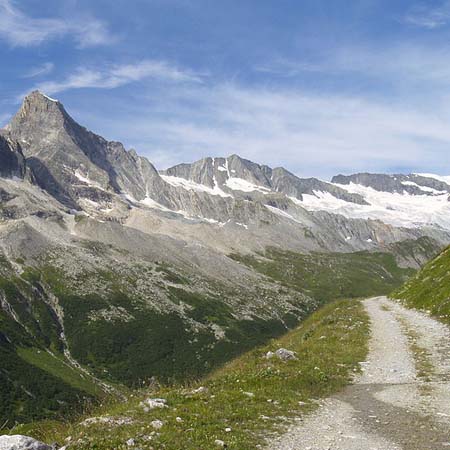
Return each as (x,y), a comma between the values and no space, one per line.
(430,288)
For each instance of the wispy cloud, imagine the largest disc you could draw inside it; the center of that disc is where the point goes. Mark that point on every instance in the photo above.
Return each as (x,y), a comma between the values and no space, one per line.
(21,30)
(402,64)
(288,68)
(426,17)
(118,75)
(311,134)
(39,71)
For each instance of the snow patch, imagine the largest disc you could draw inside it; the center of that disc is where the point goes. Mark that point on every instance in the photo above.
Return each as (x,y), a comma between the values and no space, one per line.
(422,188)
(49,98)
(239,184)
(87,180)
(281,213)
(150,203)
(155,205)
(242,225)
(191,185)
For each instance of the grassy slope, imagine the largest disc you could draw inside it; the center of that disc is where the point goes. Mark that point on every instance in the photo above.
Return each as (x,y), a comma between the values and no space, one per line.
(156,343)
(152,344)
(29,391)
(328,276)
(430,288)
(329,345)
(59,367)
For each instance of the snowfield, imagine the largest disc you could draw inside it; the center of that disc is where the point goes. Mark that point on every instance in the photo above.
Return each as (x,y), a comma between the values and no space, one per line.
(400,210)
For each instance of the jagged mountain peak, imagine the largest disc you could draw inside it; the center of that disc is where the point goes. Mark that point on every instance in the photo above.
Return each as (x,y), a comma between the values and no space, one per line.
(40,97)
(71,162)
(37,105)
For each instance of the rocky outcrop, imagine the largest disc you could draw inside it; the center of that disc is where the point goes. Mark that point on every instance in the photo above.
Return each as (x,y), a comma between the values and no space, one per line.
(12,161)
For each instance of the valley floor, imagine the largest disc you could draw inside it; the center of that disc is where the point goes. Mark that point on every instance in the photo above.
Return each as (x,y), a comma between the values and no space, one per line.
(401,401)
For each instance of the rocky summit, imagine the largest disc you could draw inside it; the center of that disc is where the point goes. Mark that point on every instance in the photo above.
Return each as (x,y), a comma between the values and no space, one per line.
(115,273)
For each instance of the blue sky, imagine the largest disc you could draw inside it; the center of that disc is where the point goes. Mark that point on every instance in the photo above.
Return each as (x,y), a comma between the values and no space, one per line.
(318,86)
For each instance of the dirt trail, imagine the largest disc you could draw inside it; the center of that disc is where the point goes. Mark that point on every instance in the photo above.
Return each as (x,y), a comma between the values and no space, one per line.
(402,399)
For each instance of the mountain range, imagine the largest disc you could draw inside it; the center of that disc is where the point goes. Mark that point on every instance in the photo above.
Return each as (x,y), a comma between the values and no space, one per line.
(114,273)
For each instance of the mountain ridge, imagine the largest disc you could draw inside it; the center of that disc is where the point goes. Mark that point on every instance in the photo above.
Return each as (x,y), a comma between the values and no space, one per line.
(103,180)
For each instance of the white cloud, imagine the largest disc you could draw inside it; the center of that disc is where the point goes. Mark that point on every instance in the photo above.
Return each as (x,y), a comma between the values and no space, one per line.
(430,18)
(39,71)
(21,30)
(118,75)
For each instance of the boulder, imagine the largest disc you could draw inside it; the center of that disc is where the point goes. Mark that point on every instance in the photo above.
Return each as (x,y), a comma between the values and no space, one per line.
(285,355)
(18,442)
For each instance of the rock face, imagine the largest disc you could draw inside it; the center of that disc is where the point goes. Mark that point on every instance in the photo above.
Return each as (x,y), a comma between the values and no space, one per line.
(18,442)
(223,172)
(12,161)
(71,162)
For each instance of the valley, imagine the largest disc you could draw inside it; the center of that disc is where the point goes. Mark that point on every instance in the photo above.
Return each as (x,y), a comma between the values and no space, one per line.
(119,281)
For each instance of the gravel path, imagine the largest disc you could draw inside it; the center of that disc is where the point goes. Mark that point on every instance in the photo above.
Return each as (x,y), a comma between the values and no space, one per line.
(402,399)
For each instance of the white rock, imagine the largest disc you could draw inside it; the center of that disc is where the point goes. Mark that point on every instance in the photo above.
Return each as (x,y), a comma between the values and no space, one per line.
(153,403)
(200,390)
(179,419)
(285,355)
(157,424)
(219,443)
(131,442)
(18,442)
(269,355)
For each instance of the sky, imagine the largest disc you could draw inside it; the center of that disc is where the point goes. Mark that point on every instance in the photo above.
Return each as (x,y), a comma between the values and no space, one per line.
(318,86)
